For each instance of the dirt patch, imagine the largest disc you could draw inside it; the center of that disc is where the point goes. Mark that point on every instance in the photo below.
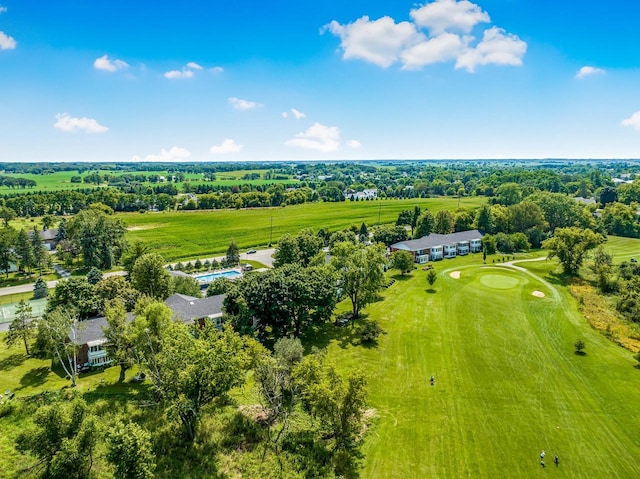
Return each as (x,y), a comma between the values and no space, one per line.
(538,294)
(140,228)
(455,274)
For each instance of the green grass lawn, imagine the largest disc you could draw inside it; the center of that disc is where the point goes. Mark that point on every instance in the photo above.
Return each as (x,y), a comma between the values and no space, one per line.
(623,249)
(61,180)
(190,234)
(508,383)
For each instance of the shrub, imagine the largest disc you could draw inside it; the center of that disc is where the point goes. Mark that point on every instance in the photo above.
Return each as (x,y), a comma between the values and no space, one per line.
(579,345)
(370,332)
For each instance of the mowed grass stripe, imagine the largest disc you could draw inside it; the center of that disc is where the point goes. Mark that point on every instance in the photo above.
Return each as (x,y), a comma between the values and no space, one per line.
(508,383)
(191,234)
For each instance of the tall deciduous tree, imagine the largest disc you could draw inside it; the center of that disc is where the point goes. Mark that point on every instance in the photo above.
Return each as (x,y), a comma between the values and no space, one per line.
(75,293)
(134,252)
(338,404)
(444,223)
(57,336)
(22,327)
(484,219)
(62,438)
(402,260)
(570,246)
(150,277)
(7,255)
(130,451)
(233,254)
(99,235)
(360,272)
(425,224)
(197,367)
(120,343)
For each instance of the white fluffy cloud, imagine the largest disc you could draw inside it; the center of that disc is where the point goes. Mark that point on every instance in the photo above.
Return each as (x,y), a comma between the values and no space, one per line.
(103,63)
(179,74)
(227,146)
(7,42)
(588,71)
(3,9)
(298,115)
(444,47)
(354,144)
(317,137)
(174,154)
(188,71)
(243,105)
(440,32)
(497,48)
(446,15)
(68,123)
(379,41)
(216,69)
(633,121)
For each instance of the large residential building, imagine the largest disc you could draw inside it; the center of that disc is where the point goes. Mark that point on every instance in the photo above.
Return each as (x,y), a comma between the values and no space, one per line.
(436,246)
(90,334)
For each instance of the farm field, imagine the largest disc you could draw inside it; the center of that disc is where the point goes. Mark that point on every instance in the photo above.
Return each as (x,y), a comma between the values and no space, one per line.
(191,234)
(61,180)
(508,383)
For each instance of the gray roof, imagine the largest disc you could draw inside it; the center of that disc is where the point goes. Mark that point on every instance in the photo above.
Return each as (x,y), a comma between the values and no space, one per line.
(188,308)
(185,308)
(585,201)
(435,239)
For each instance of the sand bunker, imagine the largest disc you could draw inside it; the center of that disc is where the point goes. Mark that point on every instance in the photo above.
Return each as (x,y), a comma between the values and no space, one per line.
(455,274)
(538,294)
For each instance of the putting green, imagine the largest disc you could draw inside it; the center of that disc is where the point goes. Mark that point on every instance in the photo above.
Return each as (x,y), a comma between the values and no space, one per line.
(499,281)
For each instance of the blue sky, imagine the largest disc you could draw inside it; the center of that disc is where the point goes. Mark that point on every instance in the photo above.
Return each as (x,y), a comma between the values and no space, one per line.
(297,80)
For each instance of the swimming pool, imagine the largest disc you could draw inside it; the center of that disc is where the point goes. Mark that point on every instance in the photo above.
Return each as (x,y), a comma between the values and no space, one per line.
(210,277)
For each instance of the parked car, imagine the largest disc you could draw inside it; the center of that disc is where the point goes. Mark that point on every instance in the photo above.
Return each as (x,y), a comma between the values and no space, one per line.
(251,251)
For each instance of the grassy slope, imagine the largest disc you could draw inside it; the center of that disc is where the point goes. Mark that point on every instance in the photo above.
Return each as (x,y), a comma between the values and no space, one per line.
(508,383)
(623,249)
(178,235)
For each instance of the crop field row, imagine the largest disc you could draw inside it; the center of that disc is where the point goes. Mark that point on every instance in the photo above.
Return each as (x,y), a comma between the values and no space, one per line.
(191,234)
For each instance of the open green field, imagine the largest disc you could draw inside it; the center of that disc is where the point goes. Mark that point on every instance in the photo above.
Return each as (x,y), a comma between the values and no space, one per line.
(191,234)
(508,383)
(61,180)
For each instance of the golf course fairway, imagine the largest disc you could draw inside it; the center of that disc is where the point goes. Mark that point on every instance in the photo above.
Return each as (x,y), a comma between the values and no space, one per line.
(508,383)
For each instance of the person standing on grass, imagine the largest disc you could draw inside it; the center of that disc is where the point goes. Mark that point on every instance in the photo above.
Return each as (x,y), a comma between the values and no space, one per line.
(556,460)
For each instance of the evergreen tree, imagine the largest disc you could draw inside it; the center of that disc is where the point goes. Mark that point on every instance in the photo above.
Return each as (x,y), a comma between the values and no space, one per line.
(233,254)
(40,289)
(24,251)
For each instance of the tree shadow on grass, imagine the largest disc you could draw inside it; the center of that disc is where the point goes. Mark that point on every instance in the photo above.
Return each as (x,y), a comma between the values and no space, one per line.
(580,353)
(12,361)
(559,279)
(402,277)
(430,291)
(320,336)
(34,377)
